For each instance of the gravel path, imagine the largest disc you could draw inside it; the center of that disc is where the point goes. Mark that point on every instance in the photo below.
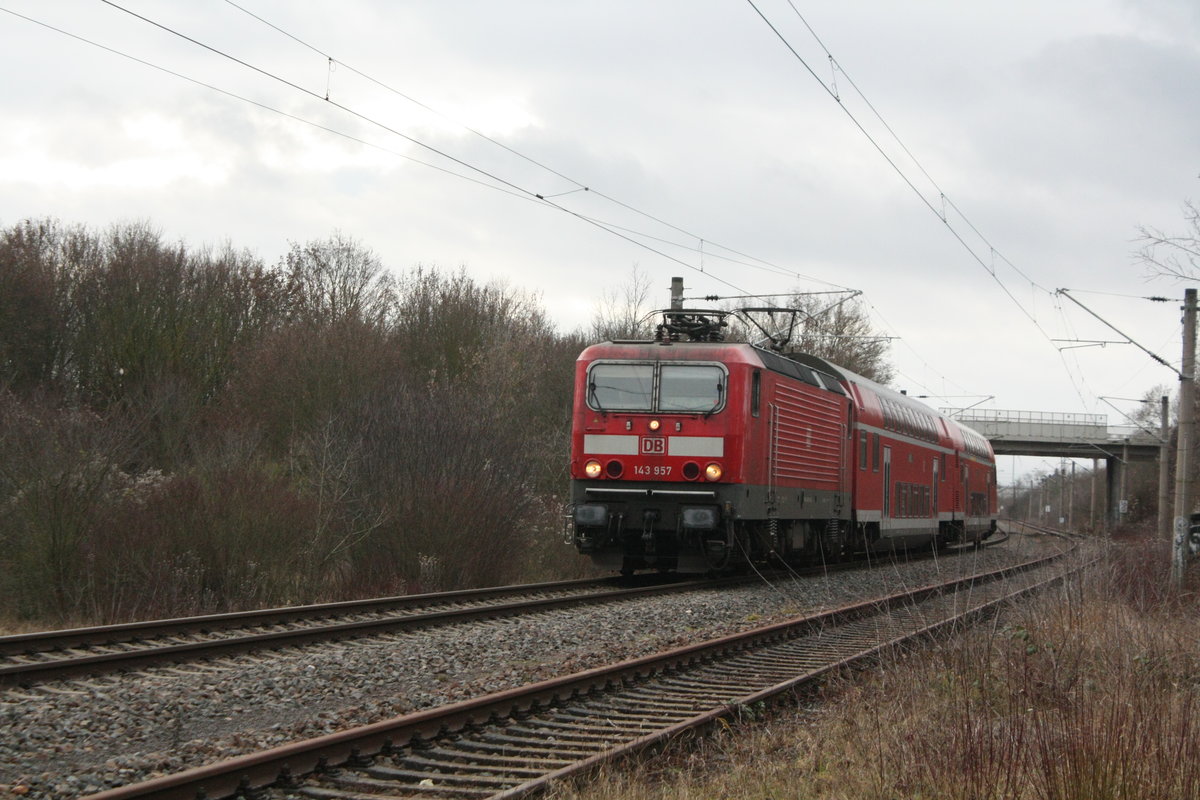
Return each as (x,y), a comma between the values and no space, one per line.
(69,738)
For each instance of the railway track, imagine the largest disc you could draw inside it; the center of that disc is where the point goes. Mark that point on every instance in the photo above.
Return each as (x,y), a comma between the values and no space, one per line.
(26,659)
(515,742)
(34,657)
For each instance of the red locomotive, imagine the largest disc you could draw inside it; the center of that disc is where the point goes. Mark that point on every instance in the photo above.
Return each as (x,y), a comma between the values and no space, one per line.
(692,454)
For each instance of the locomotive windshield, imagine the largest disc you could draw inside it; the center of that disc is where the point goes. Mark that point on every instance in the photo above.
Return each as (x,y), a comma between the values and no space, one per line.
(687,387)
(628,387)
(680,388)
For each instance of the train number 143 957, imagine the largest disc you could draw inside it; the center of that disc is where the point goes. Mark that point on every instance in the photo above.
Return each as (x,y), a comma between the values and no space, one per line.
(649,471)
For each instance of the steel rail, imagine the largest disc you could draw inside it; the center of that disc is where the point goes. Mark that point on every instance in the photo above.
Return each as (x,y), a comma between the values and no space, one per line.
(133,631)
(602,713)
(319,630)
(52,655)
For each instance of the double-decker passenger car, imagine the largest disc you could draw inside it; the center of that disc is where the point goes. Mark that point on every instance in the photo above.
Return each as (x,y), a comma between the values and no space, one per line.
(695,455)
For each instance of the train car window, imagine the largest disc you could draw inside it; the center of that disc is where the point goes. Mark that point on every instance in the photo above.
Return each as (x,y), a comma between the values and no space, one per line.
(862,450)
(875,453)
(777,363)
(696,388)
(828,382)
(755,392)
(808,376)
(623,387)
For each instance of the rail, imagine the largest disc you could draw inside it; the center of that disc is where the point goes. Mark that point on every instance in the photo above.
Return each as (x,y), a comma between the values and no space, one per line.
(35,657)
(516,742)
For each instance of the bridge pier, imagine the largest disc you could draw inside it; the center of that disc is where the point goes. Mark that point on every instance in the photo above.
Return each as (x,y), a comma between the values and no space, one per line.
(1114,471)
(1051,435)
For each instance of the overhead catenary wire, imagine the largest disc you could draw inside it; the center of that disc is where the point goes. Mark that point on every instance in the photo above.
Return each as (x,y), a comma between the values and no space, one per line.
(1066,293)
(783,272)
(896,168)
(581,186)
(943,198)
(707,247)
(508,187)
(947,201)
(512,188)
(539,196)
(266,107)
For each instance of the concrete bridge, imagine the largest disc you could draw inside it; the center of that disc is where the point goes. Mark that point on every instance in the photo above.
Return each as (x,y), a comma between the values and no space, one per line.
(1054,435)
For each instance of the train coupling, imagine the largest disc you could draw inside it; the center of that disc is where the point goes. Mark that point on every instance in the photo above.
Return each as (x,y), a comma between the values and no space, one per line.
(649,517)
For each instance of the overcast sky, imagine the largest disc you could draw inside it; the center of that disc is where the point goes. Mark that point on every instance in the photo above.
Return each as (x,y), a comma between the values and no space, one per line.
(1053,130)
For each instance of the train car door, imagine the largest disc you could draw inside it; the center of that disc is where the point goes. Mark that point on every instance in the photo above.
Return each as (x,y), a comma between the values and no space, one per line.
(887,482)
(933,489)
(966,495)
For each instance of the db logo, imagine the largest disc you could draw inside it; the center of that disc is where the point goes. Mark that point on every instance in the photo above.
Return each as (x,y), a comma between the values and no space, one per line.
(654,446)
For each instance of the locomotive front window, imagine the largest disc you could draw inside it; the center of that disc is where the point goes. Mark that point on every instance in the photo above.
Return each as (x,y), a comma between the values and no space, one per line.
(697,388)
(627,387)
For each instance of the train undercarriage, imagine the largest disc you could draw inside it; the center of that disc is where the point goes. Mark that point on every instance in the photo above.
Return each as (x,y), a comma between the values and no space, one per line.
(710,538)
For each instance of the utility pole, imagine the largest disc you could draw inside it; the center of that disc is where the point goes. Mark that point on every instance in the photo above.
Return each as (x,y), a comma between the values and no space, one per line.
(1164,470)
(1187,422)
(1092,510)
(1123,501)
(1062,493)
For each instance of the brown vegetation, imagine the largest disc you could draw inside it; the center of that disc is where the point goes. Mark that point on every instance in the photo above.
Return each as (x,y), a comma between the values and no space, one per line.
(187,431)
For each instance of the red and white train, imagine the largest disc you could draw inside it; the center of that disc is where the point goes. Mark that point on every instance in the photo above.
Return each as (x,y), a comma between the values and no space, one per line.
(692,454)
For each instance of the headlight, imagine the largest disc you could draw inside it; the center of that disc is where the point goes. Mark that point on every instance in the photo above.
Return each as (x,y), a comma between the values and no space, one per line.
(592,469)
(713,472)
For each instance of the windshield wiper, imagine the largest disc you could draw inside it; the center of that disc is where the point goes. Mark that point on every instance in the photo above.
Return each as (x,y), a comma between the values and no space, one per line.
(717,404)
(593,399)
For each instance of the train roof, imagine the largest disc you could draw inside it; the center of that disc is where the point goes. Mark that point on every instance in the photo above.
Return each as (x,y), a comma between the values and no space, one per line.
(865,393)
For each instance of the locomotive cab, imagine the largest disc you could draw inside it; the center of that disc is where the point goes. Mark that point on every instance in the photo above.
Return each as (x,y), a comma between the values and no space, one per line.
(651,454)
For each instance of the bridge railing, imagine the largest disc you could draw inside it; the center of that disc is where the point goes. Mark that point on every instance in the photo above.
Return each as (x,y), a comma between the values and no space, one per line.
(1048,426)
(1118,433)
(1036,417)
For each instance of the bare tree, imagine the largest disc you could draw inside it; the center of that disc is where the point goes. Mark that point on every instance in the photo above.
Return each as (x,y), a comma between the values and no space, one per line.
(624,312)
(1172,255)
(339,279)
(843,334)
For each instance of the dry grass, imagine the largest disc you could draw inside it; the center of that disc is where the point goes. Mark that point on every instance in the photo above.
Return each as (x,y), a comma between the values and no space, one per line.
(10,626)
(1086,693)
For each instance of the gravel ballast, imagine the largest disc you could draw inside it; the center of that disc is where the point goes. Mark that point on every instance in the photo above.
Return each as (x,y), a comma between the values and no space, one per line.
(70,738)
